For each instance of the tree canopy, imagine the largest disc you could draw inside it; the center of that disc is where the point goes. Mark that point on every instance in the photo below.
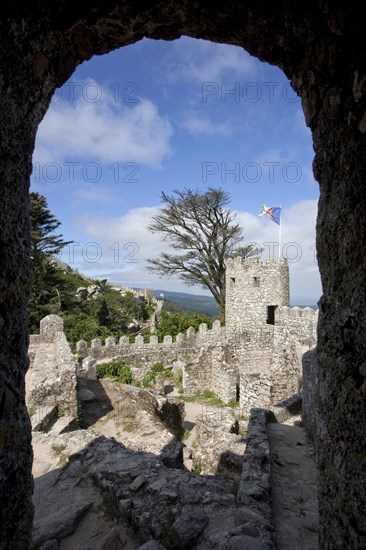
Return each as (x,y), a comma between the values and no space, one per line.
(45,245)
(204,232)
(44,241)
(54,291)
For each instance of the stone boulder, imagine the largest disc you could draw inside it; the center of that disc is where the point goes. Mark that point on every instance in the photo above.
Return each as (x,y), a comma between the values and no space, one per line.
(82,293)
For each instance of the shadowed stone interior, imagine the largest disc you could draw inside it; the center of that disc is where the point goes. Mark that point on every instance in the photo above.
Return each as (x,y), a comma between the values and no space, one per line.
(320,46)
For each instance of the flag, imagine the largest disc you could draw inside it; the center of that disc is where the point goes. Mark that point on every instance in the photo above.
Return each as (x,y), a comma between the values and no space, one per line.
(273,212)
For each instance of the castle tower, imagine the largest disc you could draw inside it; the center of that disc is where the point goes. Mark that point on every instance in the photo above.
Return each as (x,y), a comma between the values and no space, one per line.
(254,290)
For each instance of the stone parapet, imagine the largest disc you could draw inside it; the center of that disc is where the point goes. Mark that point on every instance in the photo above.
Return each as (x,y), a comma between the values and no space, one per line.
(53,377)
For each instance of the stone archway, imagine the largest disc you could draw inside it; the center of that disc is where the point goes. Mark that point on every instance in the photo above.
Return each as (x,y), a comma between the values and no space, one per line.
(320,47)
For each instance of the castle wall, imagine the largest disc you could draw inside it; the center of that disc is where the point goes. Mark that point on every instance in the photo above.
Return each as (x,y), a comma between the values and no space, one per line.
(257,353)
(252,286)
(294,334)
(210,369)
(269,358)
(141,356)
(309,411)
(53,377)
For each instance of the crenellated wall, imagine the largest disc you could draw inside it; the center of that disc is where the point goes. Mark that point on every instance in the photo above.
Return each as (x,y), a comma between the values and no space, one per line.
(142,356)
(253,356)
(266,336)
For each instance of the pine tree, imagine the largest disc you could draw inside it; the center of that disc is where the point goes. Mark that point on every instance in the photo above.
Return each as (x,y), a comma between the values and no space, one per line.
(45,244)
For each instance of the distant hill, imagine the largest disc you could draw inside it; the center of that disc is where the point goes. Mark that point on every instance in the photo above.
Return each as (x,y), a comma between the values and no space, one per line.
(200,302)
(196,302)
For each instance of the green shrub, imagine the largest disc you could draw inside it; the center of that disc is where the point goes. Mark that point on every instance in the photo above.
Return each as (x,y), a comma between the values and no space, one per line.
(156,369)
(117,370)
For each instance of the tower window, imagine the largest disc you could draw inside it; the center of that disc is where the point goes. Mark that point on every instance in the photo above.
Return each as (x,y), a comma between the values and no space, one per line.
(271,315)
(232,279)
(256,281)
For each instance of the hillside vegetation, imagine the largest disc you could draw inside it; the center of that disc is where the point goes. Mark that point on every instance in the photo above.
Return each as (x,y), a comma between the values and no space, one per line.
(106,314)
(90,308)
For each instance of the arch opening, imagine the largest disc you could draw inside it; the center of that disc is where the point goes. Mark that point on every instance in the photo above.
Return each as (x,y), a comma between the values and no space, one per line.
(312,45)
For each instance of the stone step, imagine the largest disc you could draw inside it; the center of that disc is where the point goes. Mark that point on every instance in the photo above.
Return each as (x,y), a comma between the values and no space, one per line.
(43,418)
(187,453)
(192,436)
(63,425)
(188,463)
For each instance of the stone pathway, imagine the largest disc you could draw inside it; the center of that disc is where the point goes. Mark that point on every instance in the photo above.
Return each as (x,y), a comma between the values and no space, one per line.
(294,488)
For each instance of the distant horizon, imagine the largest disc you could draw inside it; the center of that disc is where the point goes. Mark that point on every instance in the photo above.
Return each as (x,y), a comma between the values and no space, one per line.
(298,304)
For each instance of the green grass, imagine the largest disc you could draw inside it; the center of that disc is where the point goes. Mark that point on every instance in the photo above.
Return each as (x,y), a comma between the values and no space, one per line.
(233,404)
(198,468)
(208,397)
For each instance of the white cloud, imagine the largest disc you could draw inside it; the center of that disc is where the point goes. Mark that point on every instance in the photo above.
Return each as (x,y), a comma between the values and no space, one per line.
(123,240)
(200,124)
(93,194)
(104,131)
(135,242)
(204,61)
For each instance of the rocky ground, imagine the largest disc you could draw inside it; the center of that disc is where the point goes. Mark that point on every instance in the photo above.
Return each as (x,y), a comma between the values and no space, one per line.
(123,474)
(124,478)
(136,417)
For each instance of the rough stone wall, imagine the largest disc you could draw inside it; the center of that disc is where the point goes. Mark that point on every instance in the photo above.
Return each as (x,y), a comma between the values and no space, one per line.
(256,385)
(251,287)
(225,377)
(209,369)
(197,375)
(255,486)
(268,357)
(294,334)
(142,356)
(263,359)
(309,412)
(53,376)
(320,46)
(297,324)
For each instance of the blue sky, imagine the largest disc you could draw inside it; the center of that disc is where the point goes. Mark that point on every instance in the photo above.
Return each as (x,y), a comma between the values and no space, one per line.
(158,116)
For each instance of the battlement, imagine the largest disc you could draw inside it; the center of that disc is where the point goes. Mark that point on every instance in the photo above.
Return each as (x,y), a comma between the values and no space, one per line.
(191,339)
(239,263)
(290,313)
